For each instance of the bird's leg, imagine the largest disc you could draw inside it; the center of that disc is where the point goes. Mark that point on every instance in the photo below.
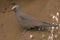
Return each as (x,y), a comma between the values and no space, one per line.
(42,28)
(24,30)
(45,28)
(39,29)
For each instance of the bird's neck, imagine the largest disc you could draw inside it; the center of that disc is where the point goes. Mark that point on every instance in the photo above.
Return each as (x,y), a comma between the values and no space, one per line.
(18,12)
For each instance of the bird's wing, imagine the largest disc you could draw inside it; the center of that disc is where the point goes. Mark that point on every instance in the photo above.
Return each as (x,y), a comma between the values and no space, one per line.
(29,20)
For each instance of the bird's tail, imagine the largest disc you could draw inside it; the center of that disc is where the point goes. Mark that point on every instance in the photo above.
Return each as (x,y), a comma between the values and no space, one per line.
(54,25)
(44,24)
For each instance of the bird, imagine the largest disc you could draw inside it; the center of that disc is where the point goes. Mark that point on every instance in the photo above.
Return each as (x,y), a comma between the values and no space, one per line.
(27,21)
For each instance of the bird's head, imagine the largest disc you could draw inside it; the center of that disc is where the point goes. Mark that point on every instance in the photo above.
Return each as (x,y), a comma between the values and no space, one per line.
(15,8)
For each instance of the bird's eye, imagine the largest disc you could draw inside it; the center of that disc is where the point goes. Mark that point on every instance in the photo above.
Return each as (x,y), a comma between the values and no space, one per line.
(14,8)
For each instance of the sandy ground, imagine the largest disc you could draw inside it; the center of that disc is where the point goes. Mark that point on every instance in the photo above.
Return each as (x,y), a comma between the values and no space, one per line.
(40,9)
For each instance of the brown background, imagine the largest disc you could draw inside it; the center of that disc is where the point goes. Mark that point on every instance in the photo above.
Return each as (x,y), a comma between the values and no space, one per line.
(40,9)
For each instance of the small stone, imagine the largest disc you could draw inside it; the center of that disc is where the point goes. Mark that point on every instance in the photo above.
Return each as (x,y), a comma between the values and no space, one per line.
(53,17)
(56,36)
(50,38)
(57,14)
(56,27)
(52,28)
(31,36)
